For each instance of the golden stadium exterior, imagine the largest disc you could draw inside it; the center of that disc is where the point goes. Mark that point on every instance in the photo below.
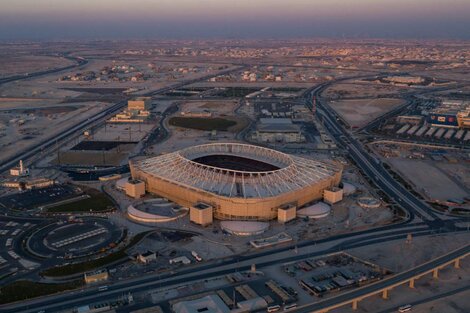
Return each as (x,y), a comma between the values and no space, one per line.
(240,181)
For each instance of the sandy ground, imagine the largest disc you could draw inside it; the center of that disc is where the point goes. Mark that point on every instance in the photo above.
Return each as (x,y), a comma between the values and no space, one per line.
(461,171)
(28,128)
(428,179)
(182,137)
(362,89)
(358,113)
(13,65)
(399,256)
(21,130)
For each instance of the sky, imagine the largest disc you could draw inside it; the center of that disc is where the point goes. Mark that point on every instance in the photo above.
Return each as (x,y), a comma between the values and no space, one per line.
(251,19)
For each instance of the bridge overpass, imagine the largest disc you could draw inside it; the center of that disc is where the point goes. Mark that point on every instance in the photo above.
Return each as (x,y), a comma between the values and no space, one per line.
(383,287)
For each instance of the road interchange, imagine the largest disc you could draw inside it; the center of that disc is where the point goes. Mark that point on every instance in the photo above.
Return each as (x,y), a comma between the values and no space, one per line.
(422,221)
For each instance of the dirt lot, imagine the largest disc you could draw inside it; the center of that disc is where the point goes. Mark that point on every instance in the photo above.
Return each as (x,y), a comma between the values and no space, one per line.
(399,256)
(12,65)
(358,113)
(429,179)
(356,89)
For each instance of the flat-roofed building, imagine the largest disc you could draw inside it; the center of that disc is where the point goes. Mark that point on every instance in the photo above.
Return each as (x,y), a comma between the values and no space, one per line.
(208,304)
(410,119)
(96,276)
(139,104)
(147,257)
(463,118)
(278,130)
(451,114)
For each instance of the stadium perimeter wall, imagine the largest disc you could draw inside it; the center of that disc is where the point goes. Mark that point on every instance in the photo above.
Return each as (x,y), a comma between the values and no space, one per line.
(234,208)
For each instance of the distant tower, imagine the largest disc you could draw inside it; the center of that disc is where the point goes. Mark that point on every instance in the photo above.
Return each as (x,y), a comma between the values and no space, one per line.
(20,170)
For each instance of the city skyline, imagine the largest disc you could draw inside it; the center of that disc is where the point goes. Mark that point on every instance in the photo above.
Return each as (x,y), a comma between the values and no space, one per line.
(184,19)
(175,156)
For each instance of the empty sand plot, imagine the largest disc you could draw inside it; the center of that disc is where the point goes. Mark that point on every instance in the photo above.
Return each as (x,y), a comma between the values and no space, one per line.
(358,113)
(429,180)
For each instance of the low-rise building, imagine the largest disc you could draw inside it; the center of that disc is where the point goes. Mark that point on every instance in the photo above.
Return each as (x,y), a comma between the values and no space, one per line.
(20,170)
(139,104)
(181,260)
(278,130)
(96,276)
(451,114)
(410,119)
(147,257)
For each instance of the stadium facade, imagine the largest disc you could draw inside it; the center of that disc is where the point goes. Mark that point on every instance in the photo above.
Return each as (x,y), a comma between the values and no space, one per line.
(239,181)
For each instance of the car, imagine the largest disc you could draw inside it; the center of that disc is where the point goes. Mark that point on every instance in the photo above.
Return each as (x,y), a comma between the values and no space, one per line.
(405,308)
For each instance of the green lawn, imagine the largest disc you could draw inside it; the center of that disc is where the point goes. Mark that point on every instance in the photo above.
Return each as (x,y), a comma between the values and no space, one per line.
(220,124)
(98,202)
(24,289)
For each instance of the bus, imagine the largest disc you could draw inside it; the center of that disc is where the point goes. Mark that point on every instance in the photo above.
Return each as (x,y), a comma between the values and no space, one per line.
(404,308)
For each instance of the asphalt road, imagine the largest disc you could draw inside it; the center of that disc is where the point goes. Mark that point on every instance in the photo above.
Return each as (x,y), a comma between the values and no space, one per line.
(372,167)
(79,62)
(207,271)
(432,298)
(82,125)
(401,277)
(427,223)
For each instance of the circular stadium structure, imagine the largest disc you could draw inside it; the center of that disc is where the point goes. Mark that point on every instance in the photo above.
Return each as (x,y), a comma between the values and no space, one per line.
(155,211)
(240,181)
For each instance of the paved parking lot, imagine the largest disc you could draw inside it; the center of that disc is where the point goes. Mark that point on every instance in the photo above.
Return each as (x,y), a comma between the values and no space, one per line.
(35,198)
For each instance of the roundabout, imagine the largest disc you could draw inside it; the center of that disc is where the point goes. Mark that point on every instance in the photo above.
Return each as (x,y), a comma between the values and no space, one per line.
(74,238)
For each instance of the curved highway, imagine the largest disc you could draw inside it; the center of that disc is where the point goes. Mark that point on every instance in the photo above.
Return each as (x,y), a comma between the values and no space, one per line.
(422,221)
(371,166)
(51,141)
(205,271)
(79,62)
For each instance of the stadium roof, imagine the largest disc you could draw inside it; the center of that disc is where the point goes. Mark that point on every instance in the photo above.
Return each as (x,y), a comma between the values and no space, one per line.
(292,173)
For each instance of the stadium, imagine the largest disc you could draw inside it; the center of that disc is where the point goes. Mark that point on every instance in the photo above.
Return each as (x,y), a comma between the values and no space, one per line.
(238,181)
